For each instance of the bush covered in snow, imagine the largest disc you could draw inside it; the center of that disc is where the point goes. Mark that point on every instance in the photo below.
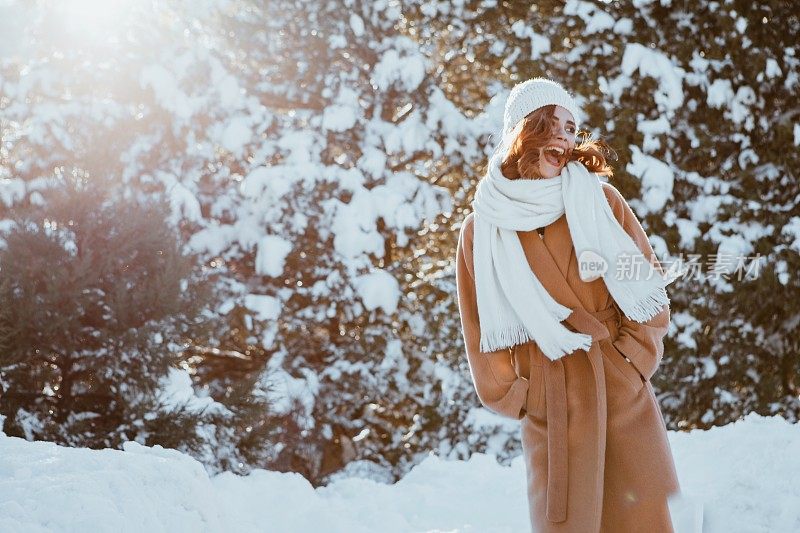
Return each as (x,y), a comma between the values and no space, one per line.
(318,157)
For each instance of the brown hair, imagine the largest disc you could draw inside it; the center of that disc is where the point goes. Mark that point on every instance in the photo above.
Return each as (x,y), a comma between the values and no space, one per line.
(537,131)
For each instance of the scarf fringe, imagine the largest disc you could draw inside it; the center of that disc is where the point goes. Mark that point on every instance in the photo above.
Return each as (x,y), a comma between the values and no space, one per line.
(650,306)
(511,336)
(491,341)
(571,343)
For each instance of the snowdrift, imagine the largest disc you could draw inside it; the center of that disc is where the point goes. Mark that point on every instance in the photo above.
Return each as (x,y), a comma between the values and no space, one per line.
(742,477)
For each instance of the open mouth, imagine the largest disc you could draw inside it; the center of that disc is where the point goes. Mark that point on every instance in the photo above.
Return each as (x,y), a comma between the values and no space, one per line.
(554,155)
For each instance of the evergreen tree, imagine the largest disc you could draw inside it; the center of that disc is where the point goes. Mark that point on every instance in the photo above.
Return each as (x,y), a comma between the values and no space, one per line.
(697,102)
(100,304)
(319,159)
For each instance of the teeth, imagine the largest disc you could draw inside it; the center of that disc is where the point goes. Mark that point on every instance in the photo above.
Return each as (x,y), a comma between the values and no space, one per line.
(556,149)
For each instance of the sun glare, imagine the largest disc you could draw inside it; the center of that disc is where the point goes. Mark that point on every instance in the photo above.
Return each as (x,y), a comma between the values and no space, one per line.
(92,19)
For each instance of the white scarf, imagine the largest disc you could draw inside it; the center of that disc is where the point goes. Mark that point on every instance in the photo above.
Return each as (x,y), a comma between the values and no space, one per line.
(513,306)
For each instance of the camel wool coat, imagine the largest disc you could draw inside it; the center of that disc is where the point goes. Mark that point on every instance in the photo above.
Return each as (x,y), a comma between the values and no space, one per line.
(594,439)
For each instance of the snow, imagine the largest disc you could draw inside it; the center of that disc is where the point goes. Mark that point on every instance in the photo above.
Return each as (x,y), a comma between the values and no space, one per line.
(781,269)
(213,239)
(405,67)
(11,191)
(378,289)
(271,255)
(745,489)
(653,127)
(730,249)
(353,227)
(229,90)
(638,58)
(338,118)
(773,69)
(166,90)
(688,326)
(258,214)
(540,44)
(44,487)
(357,25)
(5,226)
(263,306)
(183,203)
(688,231)
(740,106)
(657,179)
(343,114)
(267,180)
(236,135)
(595,19)
(650,129)
(302,147)
(396,365)
(512,57)
(177,392)
(719,93)
(373,162)
(623,26)
(729,474)
(706,208)
(792,230)
(408,136)
(287,392)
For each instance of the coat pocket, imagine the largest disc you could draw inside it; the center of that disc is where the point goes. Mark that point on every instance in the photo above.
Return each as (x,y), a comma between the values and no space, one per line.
(623,366)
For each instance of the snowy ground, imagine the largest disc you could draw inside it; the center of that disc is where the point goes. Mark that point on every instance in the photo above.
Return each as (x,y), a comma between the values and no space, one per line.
(745,475)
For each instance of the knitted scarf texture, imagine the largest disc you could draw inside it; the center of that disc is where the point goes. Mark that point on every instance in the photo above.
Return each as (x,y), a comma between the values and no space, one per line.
(513,305)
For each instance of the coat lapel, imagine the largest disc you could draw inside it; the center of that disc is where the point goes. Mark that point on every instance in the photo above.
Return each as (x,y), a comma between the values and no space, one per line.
(559,243)
(551,263)
(554,262)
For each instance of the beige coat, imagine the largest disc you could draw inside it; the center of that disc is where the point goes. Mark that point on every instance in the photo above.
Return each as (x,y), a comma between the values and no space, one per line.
(594,439)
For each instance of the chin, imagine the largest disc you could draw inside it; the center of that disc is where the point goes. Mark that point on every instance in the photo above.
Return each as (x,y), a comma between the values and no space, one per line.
(549,172)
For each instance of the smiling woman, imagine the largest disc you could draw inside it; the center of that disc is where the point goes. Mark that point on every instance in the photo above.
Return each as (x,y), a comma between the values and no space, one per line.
(567,350)
(547,142)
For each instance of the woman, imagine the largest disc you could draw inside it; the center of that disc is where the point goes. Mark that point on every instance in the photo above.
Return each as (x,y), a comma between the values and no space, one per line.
(555,340)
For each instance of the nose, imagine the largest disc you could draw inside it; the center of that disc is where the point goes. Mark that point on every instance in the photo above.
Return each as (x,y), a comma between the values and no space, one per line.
(560,133)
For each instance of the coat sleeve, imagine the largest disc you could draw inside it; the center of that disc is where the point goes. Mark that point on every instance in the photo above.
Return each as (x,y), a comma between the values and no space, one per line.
(499,387)
(642,343)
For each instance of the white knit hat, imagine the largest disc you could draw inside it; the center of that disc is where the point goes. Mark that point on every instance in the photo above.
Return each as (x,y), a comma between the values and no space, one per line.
(530,95)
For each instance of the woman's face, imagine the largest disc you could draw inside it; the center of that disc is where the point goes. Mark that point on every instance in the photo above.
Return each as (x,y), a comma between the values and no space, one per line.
(554,155)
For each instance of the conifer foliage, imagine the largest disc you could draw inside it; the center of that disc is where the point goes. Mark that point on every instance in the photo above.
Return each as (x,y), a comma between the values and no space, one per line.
(99,303)
(316,159)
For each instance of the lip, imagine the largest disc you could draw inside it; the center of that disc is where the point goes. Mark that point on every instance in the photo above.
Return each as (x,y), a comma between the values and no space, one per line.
(563,157)
(556,145)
